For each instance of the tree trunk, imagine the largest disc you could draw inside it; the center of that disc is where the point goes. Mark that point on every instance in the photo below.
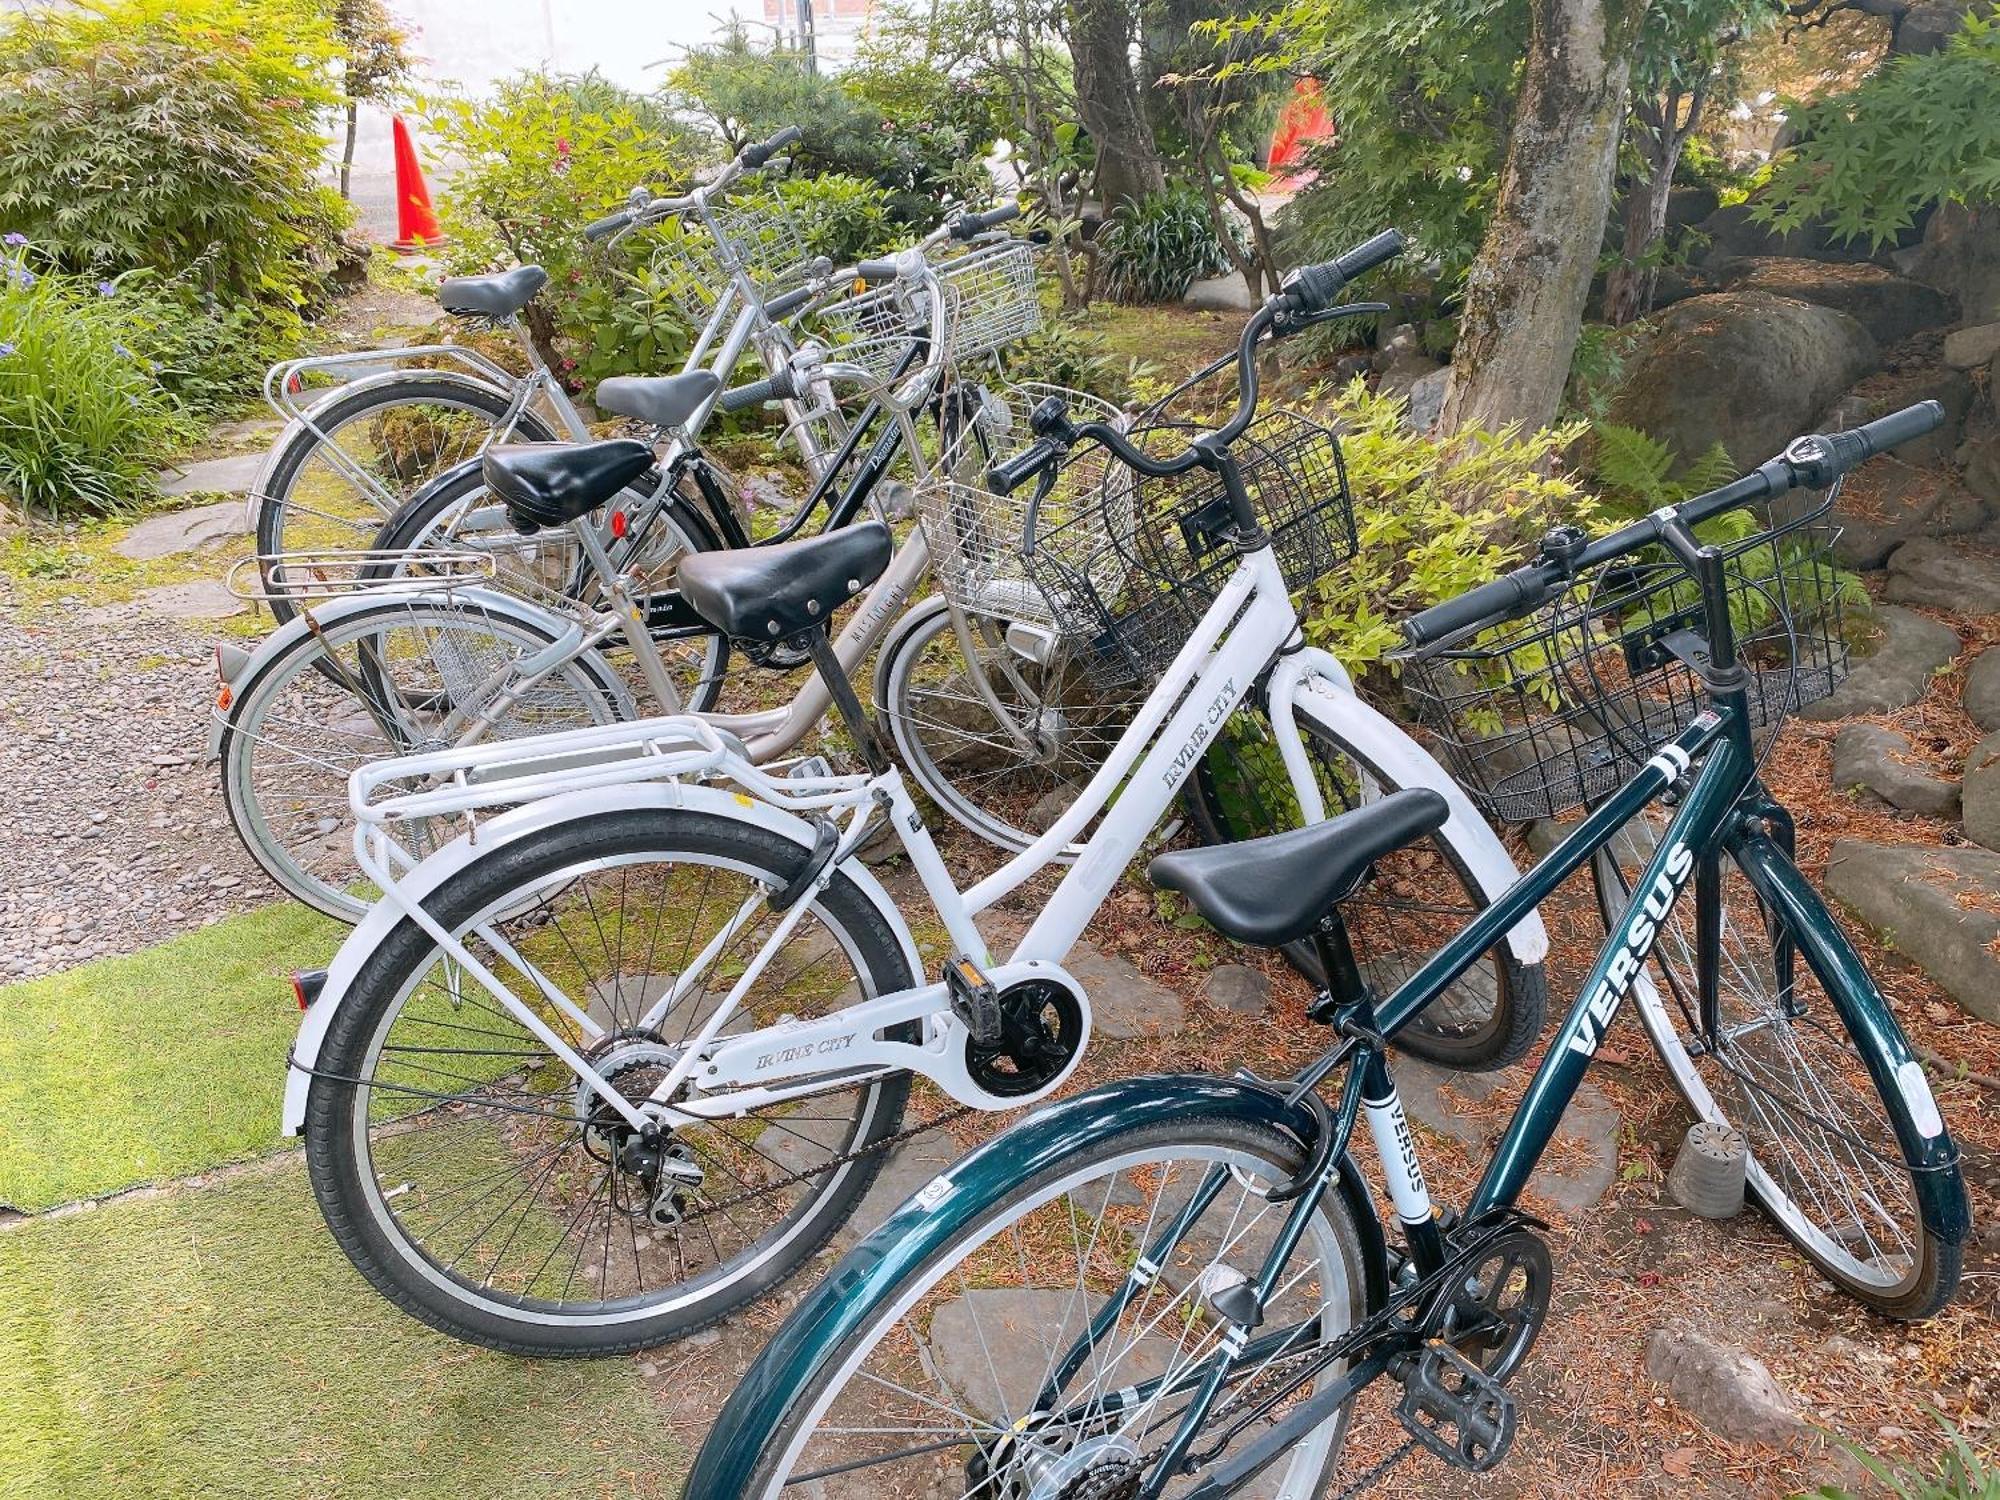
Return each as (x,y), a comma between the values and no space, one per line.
(1107,101)
(1629,286)
(347,147)
(1524,298)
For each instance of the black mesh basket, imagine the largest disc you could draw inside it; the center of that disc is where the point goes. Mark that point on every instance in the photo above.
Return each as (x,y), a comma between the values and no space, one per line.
(1128,576)
(1553,712)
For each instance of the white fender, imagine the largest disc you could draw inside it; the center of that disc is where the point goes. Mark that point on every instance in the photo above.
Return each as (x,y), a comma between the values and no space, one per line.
(516,823)
(279,643)
(1318,685)
(914,618)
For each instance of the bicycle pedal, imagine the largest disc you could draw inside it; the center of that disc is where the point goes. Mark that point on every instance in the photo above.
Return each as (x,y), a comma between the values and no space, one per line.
(973,999)
(1456,1410)
(809,768)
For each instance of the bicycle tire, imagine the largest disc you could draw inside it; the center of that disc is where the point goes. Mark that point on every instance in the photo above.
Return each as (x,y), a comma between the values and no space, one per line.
(299,442)
(1723,1089)
(1262,1152)
(1231,797)
(562,857)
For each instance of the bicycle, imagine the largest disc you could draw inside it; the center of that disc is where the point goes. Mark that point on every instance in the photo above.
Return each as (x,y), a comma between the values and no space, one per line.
(1190,1271)
(346,462)
(623,1055)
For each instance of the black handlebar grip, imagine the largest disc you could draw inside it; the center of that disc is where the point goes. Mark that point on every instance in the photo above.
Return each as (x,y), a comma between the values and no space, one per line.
(609,224)
(967,226)
(1312,289)
(783,306)
(873,271)
(1370,253)
(755,156)
(779,387)
(1494,601)
(1900,427)
(1004,478)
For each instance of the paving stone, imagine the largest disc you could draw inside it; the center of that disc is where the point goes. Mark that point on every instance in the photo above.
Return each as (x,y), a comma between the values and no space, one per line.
(224,476)
(1239,988)
(1941,576)
(1981,788)
(1572,1179)
(1876,761)
(1727,1389)
(1123,1002)
(183,531)
(1936,907)
(1981,697)
(202,600)
(907,1168)
(1227,293)
(993,1347)
(1897,673)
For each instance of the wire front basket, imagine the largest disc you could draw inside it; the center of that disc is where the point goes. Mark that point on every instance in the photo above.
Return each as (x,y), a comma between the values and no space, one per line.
(1132,566)
(995,291)
(1553,712)
(695,264)
(885,332)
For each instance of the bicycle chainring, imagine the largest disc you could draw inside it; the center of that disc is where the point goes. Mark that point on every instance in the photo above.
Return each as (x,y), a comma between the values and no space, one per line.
(1498,1312)
(1041,1032)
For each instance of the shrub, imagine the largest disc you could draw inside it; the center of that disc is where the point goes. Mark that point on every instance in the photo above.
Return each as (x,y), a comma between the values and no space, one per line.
(1151,250)
(175,134)
(83,426)
(540,158)
(1434,520)
(841,217)
(1068,353)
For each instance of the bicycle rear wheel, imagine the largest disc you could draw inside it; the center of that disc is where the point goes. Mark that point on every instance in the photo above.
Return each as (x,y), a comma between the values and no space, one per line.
(935,1392)
(1783,1070)
(1411,903)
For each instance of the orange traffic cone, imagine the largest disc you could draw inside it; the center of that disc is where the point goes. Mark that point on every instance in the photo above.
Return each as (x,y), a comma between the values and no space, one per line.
(416,224)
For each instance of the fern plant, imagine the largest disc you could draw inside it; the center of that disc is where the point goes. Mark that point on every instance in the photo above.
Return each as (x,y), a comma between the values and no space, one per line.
(1636,470)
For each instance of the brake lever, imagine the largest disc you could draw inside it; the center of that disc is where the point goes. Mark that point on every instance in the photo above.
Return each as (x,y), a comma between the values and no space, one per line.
(1286,324)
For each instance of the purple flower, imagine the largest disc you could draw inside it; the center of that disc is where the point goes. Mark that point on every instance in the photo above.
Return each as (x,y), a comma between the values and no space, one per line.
(121,351)
(14,237)
(106,289)
(24,279)
(5,350)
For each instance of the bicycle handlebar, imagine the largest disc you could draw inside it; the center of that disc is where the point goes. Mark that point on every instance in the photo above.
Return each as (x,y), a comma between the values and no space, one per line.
(597,229)
(1811,462)
(753,157)
(968,226)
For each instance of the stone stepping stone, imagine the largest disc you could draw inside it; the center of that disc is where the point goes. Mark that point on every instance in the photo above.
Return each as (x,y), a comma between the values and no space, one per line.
(204,600)
(1874,760)
(1981,789)
(1897,674)
(1981,697)
(224,476)
(1123,1002)
(1574,1180)
(1940,576)
(1238,988)
(1913,504)
(183,531)
(1938,906)
(1726,1388)
(993,1346)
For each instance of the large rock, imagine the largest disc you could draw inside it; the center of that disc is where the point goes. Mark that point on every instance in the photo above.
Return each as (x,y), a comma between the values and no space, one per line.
(1969,348)
(1981,697)
(1892,390)
(1979,462)
(1935,906)
(1726,1388)
(1871,759)
(1908,650)
(1940,576)
(1894,504)
(1748,368)
(1889,306)
(1733,232)
(1220,294)
(1960,254)
(1982,792)
(1427,400)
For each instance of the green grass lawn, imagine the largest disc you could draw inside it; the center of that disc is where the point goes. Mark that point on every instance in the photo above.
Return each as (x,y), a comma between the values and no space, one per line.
(171,1061)
(212,1342)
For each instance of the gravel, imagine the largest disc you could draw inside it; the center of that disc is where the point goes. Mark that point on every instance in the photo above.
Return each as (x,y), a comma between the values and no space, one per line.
(116,837)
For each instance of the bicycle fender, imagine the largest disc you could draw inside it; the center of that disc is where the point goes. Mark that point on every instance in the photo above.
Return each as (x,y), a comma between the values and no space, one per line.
(276,646)
(517,823)
(913,618)
(798,1358)
(1317,685)
(1928,1149)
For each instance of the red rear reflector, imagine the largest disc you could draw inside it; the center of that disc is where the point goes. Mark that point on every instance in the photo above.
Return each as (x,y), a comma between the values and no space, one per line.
(306,985)
(618,524)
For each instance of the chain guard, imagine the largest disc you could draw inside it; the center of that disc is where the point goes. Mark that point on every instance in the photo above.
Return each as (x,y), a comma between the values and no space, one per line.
(1041,1031)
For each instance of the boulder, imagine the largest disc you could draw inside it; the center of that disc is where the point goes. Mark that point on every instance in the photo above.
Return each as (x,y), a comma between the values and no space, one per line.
(1727,1389)
(1981,787)
(1893,504)
(1927,26)
(1690,203)
(1892,390)
(1228,293)
(1239,988)
(1427,400)
(1981,697)
(1873,760)
(1733,232)
(1889,306)
(1939,576)
(1960,254)
(1969,348)
(1574,1176)
(1979,462)
(1895,671)
(1934,906)
(1748,368)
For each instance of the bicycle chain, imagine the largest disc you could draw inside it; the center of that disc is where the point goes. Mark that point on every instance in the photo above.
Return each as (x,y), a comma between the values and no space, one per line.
(723,1205)
(1373,1475)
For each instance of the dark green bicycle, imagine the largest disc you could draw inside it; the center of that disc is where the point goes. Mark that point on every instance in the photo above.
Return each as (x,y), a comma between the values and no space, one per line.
(1177,1285)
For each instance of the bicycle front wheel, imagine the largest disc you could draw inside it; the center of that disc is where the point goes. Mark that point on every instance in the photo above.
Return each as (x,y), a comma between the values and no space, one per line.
(405,674)
(1410,904)
(347,467)
(1782,1069)
(997,1367)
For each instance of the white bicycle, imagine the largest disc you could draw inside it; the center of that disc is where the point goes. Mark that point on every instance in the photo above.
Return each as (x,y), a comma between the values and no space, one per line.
(625,1054)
